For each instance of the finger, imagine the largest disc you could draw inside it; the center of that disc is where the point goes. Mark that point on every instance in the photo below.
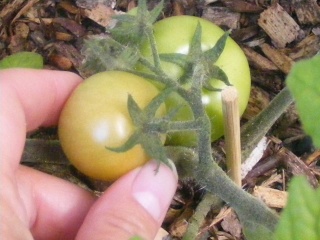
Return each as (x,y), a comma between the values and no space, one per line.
(28,99)
(135,205)
(54,207)
(41,93)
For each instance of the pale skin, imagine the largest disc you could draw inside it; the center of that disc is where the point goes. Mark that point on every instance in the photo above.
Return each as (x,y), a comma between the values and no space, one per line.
(34,205)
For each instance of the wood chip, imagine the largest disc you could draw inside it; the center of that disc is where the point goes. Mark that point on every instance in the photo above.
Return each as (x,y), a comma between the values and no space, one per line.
(25,8)
(242,6)
(71,25)
(283,62)
(178,8)
(22,29)
(231,224)
(61,62)
(222,16)
(101,14)
(259,100)
(179,228)
(307,48)
(66,5)
(296,166)
(258,61)
(268,80)
(254,157)
(279,25)
(70,52)
(243,34)
(271,197)
(308,11)
(9,10)
(61,36)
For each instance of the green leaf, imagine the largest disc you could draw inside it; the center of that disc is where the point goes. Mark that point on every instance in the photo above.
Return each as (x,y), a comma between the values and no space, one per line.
(136,238)
(22,60)
(303,82)
(301,217)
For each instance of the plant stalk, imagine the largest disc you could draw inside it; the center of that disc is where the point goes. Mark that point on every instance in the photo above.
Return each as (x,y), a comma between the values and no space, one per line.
(253,131)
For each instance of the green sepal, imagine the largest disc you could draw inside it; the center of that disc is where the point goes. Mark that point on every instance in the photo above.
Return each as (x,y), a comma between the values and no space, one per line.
(136,114)
(217,73)
(176,58)
(148,129)
(215,52)
(195,51)
(208,86)
(141,118)
(130,143)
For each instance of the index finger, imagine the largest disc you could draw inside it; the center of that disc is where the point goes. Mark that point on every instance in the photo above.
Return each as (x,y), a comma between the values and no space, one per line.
(29,99)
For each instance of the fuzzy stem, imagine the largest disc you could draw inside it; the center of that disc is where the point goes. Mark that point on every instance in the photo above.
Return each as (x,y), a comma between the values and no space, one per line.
(256,129)
(209,200)
(210,175)
(165,126)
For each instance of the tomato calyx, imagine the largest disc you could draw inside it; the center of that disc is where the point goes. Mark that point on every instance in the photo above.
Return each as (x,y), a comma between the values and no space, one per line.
(148,129)
(198,63)
(107,54)
(131,27)
(121,51)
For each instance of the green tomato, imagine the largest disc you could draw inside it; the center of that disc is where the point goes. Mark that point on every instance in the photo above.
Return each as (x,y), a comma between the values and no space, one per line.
(173,35)
(96,116)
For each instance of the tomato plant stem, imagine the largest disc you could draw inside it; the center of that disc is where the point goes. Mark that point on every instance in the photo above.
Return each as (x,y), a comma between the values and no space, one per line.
(251,212)
(257,128)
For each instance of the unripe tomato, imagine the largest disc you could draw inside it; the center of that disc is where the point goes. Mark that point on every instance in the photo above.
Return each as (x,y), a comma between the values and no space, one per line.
(173,35)
(96,116)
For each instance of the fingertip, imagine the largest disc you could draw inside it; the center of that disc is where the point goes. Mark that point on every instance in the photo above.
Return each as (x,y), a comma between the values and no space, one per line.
(154,187)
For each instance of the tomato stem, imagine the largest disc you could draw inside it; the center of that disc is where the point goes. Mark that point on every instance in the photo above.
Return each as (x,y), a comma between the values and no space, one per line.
(253,131)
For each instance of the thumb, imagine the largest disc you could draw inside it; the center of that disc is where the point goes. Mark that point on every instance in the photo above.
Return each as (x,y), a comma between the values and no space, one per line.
(135,205)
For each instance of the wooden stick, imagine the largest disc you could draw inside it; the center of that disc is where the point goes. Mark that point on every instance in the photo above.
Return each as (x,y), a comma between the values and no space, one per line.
(232,132)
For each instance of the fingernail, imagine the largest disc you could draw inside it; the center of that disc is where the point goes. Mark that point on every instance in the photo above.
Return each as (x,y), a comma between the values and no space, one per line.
(154,188)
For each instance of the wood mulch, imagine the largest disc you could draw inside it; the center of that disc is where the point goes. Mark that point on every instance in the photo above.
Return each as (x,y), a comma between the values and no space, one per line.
(273,34)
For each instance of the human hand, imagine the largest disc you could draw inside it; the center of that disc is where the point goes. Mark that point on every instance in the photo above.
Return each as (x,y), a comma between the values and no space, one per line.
(40,206)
